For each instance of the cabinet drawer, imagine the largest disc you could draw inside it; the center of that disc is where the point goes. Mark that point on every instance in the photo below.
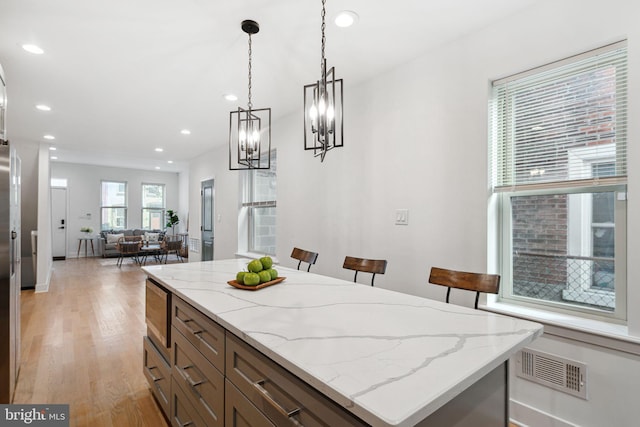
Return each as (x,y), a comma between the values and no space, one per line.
(182,412)
(157,312)
(281,396)
(205,334)
(239,412)
(201,382)
(158,374)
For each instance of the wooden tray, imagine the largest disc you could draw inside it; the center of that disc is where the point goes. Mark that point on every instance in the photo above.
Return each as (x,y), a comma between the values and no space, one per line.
(235,284)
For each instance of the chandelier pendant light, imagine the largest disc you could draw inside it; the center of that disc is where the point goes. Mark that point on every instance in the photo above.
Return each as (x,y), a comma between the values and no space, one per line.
(323,128)
(250,128)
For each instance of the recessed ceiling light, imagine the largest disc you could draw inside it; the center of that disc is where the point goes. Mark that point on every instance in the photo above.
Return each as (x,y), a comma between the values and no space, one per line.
(32,48)
(185,132)
(49,137)
(157,167)
(43,107)
(54,158)
(170,161)
(230,97)
(159,150)
(346,18)
(52,148)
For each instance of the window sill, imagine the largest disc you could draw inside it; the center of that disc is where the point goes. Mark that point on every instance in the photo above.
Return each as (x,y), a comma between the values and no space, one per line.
(596,332)
(250,255)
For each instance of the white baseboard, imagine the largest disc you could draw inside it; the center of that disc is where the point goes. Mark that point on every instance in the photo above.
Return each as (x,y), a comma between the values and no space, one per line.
(526,416)
(44,287)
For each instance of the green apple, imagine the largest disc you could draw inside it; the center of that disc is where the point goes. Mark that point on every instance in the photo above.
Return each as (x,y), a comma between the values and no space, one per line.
(240,277)
(266,262)
(265,276)
(251,279)
(274,273)
(255,266)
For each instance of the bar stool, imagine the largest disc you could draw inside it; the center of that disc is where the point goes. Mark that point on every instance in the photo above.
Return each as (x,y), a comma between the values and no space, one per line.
(375,266)
(304,256)
(476,282)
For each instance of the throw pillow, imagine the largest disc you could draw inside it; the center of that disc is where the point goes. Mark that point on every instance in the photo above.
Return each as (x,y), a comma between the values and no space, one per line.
(113,238)
(151,237)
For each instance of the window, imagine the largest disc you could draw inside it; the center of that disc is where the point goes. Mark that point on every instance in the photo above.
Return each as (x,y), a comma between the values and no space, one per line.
(113,205)
(59,182)
(258,211)
(153,206)
(559,174)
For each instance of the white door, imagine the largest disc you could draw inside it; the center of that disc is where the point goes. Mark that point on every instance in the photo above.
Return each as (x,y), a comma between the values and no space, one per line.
(59,222)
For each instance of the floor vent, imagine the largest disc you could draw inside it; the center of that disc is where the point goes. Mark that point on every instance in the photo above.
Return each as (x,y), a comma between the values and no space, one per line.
(553,371)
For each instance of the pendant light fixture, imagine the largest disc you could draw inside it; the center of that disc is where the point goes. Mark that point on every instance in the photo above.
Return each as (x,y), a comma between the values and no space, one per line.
(250,129)
(323,107)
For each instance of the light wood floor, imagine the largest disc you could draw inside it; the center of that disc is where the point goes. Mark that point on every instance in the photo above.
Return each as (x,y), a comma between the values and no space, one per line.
(82,344)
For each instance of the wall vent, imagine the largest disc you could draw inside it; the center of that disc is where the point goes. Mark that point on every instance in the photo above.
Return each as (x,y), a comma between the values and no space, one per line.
(553,371)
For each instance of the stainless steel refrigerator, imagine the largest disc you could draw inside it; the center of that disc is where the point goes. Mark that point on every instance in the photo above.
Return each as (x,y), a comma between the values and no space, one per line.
(9,257)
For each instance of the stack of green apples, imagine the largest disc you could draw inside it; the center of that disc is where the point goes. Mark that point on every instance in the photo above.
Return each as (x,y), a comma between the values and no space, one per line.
(260,271)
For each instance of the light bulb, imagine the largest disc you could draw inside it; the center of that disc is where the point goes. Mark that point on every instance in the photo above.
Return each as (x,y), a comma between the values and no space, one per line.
(256,137)
(330,113)
(313,112)
(242,137)
(321,106)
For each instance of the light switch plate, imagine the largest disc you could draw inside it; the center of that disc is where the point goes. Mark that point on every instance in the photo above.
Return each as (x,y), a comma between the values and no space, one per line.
(402,216)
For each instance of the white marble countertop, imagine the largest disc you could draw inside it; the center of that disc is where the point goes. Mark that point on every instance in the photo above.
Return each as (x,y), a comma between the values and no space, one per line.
(390,358)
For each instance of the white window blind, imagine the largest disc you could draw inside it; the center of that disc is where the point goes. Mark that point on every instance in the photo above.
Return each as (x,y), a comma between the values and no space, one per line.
(547,123)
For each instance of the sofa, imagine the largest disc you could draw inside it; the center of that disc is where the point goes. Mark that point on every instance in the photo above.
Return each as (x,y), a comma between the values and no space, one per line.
(108,239)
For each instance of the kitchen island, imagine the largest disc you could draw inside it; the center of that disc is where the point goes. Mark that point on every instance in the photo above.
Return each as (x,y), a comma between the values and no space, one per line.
(386,358)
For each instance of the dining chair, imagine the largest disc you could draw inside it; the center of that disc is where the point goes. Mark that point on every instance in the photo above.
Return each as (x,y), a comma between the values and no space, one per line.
(128,248)
(169,245)
(475,282)
(375,266)
(304,256)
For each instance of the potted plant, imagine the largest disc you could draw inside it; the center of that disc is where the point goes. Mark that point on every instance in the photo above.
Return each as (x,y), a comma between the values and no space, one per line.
(86,230)
(172,220)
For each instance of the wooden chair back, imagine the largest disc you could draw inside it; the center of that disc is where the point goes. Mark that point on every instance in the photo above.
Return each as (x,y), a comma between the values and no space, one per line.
(171,246)
(128,248)
(304,256)
(476,282)
(374,266)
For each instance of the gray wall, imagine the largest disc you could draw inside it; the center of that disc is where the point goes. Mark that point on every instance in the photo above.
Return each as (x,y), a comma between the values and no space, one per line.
(28,153)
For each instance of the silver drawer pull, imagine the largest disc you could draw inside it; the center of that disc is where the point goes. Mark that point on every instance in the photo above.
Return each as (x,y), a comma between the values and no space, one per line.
(188,378)
(193,331)
(153,377)
(259,386)
(188,423)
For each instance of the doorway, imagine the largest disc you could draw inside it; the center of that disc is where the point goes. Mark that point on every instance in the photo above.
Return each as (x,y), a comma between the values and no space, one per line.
(59,223)
(207,203)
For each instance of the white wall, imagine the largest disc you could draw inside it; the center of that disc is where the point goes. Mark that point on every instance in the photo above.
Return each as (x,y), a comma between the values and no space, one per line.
(215,165)
(416,138)
(83,194)
(45,260)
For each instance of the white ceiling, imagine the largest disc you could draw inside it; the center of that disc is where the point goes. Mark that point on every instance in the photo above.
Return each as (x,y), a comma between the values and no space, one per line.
(125,76)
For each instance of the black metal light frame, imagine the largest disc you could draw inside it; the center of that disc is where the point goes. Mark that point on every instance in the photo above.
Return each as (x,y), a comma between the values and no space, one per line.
(245,151)
(323,131)
(323,134)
